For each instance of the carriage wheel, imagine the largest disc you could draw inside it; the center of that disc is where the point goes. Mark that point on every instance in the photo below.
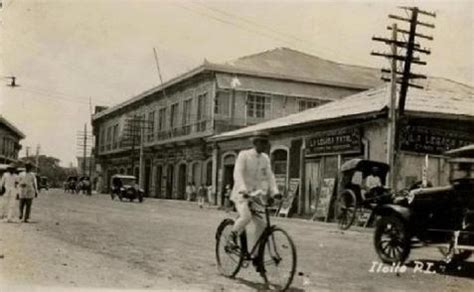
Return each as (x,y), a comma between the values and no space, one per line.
(346,209)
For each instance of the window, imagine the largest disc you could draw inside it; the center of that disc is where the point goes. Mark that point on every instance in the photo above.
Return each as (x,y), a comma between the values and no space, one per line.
(151,126)
(187,117)
(109,138)
(201,107)
(187,112)
(222,103)
(174,116)
(304,104)
(115,136)
(258,105)
(162,120)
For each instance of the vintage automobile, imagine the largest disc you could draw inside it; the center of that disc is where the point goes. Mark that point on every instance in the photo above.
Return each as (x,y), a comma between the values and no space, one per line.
(352,196)
(436,216)
(42,182)
(125,186)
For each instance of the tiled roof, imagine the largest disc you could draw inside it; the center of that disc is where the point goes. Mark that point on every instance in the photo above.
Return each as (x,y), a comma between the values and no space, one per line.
(280,63)
(11,127)
(441,96)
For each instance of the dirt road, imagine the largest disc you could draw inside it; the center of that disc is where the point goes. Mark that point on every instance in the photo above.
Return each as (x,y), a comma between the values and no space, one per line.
(81,243)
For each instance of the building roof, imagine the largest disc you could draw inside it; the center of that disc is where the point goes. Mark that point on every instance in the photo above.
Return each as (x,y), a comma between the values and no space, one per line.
(11,127)
(440,96)
(279,63)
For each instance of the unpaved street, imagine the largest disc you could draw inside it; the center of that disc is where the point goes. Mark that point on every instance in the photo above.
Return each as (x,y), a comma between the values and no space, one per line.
(95,243)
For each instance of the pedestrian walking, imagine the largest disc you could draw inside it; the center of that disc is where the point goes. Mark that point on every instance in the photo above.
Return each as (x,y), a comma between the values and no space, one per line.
(9,182)
(202,194)
(209,195)
(28,190)
(189,191)
(227,202)
(193,191)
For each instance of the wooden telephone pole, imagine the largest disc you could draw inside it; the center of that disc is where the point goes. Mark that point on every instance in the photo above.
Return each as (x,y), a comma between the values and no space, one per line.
(403,52)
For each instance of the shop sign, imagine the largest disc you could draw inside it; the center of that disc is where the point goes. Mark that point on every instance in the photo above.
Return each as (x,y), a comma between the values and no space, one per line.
(347,140)
(432,141)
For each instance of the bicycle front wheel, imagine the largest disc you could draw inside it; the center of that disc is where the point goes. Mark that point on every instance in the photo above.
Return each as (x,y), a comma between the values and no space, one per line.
(278,260)
(229,254)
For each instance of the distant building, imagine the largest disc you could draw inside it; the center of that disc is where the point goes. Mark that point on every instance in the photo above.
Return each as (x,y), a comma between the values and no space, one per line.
(10,137)
(208,100)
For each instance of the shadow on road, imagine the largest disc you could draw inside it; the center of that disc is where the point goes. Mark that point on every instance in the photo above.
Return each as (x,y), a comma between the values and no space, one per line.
(456,269)
(261,286)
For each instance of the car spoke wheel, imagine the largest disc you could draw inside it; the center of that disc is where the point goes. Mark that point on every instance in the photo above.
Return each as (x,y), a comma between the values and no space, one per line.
(391,240)
(229,255)
(278,260)
(346,209)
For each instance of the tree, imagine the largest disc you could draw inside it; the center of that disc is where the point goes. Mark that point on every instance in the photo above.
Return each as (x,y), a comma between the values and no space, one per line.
(49,167)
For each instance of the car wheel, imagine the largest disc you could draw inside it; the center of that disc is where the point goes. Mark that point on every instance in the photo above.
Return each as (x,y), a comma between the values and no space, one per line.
(391,240)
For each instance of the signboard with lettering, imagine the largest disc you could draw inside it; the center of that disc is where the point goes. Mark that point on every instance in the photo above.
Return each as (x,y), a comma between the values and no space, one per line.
(431,140)
(324,198)
(290,196)
(346,140)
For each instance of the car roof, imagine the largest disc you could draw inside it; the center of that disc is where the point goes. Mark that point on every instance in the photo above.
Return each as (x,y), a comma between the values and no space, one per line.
(466,151)
(124,176)
(362,164)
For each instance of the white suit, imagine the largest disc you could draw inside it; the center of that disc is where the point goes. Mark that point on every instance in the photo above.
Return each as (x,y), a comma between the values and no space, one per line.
(8,204)
(252,172)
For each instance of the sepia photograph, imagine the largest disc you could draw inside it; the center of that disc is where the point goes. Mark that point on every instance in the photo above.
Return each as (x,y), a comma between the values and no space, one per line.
(236,145)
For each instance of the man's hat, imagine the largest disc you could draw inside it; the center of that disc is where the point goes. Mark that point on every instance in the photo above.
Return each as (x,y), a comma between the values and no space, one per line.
(259,135)
(28,163)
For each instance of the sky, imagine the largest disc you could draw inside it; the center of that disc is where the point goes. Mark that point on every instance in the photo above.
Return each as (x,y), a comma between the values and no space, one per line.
(69,56)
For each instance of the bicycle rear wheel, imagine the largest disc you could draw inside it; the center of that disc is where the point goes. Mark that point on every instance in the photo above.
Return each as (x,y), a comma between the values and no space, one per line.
(278,260)
(229,254)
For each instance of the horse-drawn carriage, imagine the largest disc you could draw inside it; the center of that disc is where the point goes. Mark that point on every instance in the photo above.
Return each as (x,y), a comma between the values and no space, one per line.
(361,187)
(70,184)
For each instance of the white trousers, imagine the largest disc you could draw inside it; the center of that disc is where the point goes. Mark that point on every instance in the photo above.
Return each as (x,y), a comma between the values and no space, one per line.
(9,204)
(253,225)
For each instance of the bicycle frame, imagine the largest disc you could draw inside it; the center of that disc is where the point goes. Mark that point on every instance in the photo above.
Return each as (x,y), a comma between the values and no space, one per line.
(243,236)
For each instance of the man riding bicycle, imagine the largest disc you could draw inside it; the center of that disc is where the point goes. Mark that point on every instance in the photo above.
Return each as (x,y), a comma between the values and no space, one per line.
(252,172)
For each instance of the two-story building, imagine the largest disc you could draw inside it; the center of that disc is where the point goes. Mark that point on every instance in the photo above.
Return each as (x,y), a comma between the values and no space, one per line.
(175,118)
(10,138)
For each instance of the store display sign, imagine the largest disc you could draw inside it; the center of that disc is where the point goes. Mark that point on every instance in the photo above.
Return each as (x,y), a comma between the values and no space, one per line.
(431,140)
(347,140)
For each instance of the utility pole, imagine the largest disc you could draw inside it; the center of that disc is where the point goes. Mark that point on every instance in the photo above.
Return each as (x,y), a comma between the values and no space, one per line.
(396,117)
(135,130)
(84,145)
(27,151)
(37,157)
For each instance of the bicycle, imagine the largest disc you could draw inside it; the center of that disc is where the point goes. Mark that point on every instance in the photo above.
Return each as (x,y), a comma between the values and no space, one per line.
(272,245)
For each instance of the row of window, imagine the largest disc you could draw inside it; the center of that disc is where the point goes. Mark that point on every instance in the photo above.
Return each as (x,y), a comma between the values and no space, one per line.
(8,148)
(170,122)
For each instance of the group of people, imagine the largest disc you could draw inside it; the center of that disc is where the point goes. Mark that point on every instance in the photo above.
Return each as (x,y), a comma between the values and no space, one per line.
(18,193)
(201,193)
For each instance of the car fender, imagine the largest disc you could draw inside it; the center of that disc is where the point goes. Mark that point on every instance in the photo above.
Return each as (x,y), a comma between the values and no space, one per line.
(392,209)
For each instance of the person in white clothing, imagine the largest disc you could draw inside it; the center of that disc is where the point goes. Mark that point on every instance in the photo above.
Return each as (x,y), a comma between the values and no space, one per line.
(9,181)
(28,190)
(252,172)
